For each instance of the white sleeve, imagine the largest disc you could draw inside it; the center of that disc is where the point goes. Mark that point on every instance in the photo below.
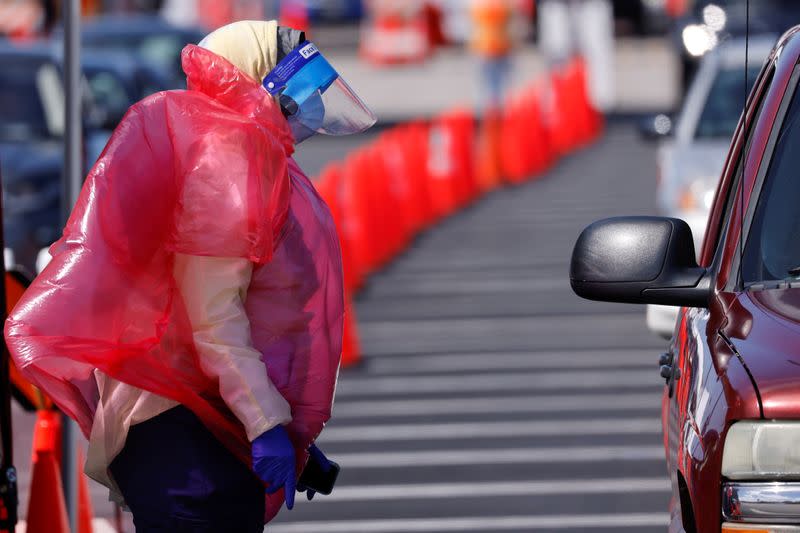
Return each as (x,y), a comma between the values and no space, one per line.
(214,290)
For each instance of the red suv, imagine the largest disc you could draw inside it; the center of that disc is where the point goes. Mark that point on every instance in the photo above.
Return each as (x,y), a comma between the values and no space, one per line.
(731,409)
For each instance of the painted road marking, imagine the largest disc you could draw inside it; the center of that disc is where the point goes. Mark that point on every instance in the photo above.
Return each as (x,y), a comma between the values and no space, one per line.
(395,432)
(460,362)
(500,523)
(561,454)
(344,409)
(619,379)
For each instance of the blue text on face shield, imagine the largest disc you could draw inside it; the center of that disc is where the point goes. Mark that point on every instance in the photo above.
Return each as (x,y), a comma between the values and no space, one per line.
(300,74)
(315,77)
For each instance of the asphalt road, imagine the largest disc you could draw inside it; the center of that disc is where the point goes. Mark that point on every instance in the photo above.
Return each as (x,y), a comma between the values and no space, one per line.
(490,397)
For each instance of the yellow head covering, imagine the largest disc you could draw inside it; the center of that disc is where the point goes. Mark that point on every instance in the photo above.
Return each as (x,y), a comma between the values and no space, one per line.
(251,45)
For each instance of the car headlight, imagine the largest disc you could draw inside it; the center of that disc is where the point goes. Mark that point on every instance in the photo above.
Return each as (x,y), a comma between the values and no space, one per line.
(699,39)
(762,450)
(715,17)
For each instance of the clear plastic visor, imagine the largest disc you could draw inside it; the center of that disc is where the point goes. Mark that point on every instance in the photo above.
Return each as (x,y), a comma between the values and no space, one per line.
(315,98)
(345,112)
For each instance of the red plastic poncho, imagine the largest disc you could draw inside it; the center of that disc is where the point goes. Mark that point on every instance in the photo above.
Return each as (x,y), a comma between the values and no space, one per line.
(202,172)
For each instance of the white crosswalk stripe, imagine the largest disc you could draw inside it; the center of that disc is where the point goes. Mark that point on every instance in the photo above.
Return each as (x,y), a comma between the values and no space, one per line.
(602,426)
(518,456)
(462,405)
(484,382)
(505,523)
(510,361)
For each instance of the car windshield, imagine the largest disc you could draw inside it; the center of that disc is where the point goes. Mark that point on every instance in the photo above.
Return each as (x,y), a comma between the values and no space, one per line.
(22,112)
(772,252)
(724,103)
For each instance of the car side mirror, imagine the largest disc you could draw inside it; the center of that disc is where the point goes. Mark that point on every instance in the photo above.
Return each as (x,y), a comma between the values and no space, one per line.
(654,127)
(639,260)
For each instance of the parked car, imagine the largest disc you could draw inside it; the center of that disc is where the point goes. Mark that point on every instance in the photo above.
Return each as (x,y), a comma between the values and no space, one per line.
(645,16)
(31,146)
(118,81)
(149,38)
(711,22)
(335,10)
(31,149)
(691,156)
(731,410)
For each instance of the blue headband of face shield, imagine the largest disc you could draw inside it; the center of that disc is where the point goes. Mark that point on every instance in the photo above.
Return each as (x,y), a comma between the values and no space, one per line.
(314,98)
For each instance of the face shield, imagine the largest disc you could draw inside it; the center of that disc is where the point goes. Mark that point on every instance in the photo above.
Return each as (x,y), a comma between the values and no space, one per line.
(314,98)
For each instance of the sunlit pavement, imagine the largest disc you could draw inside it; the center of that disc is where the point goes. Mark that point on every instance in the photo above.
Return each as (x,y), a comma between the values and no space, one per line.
(492,398)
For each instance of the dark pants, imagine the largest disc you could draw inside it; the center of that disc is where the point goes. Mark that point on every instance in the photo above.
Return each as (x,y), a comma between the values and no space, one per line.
(177,477)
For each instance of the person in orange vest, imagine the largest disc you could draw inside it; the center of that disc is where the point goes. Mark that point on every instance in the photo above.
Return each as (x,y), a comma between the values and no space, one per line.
(492,43)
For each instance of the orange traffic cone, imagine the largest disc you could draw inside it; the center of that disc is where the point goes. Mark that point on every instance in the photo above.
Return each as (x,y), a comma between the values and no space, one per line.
(353,226)
(47,512)
(441,167)
(515,158)
(329,185)
(450,161)
(560,114)
(592,118)
(539,146)
(351,350)
(489,158)
(397,167)
(416,146)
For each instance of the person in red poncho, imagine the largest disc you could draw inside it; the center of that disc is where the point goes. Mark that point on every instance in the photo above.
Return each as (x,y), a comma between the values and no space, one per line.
(191,318)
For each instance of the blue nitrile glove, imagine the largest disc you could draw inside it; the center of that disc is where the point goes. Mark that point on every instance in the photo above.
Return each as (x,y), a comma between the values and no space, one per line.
(317,456)
(274,462)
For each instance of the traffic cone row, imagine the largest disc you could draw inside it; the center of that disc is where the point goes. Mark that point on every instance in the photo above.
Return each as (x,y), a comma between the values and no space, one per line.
(47,510)
(384,194)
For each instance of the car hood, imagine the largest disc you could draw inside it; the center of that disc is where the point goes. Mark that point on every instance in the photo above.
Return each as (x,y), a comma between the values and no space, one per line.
(765,328)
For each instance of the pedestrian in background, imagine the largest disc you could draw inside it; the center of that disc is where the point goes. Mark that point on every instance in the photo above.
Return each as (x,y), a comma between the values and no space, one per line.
(191,318)
(492,43)
(586,28)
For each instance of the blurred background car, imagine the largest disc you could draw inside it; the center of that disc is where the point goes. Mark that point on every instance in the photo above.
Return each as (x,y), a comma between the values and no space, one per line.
(31,149)
(32,129)
(692,154)
(710,22)
(149,38)
(643,17)
(119,80)
(335,10)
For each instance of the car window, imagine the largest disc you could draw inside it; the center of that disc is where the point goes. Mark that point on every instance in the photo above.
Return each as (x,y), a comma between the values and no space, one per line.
(733,190)
(109,93)
(772,251)
(22,114)
(724,102)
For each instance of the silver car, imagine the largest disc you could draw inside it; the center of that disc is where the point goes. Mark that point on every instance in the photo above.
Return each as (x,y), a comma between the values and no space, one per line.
(690,161)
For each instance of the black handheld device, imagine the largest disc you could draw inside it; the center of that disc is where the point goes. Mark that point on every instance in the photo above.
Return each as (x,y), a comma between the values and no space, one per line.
(316,479)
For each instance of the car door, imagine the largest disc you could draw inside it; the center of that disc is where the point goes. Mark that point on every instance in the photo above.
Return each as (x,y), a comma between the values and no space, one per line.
(699,357)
